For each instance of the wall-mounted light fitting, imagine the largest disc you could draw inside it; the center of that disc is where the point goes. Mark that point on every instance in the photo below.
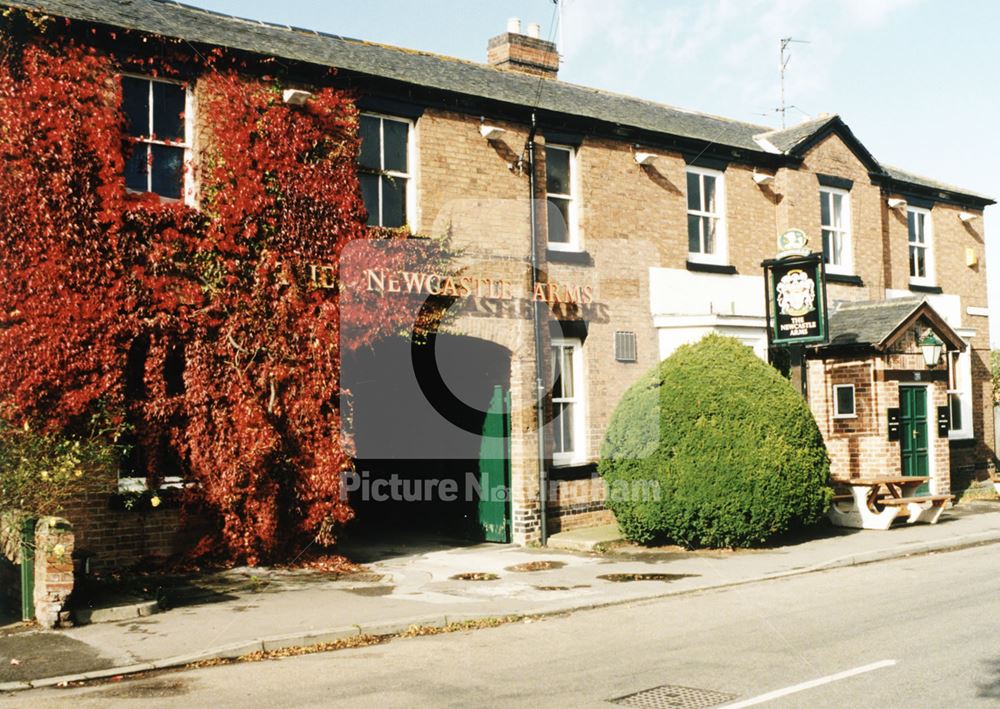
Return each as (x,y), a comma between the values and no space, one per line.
(896,203)
(930,348)
(491,132)
(295,97)
(966,216)
(762,178)
(645,158)
(971,257)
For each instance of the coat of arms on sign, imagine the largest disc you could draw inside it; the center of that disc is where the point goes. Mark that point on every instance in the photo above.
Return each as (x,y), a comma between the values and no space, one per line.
(796,293)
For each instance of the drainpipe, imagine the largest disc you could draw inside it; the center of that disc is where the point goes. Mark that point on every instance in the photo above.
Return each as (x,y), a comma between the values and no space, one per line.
(537,316)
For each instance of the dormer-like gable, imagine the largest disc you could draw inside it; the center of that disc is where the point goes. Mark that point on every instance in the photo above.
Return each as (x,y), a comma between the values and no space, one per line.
(801,140)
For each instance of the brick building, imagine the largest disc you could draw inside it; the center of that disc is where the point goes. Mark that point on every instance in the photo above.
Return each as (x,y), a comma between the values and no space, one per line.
(649,225)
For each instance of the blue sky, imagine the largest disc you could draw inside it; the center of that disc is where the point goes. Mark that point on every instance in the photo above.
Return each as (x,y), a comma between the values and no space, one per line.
(914,79)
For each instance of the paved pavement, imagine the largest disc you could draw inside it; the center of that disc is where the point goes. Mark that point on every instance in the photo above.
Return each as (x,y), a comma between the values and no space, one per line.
(900,633)
(420,587)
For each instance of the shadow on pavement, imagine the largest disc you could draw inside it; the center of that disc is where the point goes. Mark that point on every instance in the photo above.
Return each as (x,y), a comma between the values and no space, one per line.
(373,545)
(33,654)
(991,689)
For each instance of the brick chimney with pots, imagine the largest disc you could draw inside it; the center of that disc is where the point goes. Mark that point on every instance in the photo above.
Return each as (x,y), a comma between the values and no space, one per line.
(527,53)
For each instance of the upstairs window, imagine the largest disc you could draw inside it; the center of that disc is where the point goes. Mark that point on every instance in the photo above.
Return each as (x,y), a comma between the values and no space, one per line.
(560,178)
(384,170)
(158,126)
(918,224)
(835,223)
(706,216)
(567,401)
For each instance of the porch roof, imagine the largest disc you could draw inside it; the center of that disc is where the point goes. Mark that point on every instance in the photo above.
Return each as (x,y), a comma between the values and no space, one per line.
(880,323)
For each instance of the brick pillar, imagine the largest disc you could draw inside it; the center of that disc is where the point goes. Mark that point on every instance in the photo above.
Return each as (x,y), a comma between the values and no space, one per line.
(53,569)
(526,522)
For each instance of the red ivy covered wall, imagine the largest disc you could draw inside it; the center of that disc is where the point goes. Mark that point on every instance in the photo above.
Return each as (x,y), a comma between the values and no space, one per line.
(192,327)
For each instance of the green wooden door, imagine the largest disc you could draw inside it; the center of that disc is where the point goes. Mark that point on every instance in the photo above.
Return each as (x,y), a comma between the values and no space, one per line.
(913,432)
(494,470)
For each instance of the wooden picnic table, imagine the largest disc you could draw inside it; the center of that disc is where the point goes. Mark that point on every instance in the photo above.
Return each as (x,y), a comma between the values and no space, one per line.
(866,506)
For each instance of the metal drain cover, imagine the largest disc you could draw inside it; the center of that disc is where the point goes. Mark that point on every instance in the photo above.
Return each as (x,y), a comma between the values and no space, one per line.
(671,696)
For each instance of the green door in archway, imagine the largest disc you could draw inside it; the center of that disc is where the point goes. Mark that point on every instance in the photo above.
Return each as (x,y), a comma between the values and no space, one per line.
(494,470)
(913,432)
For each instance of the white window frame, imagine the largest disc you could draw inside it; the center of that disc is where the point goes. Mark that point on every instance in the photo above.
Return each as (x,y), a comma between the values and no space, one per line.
(410,176)
(837,414)
(141,485)
(847,247)
(960,384)
(721,254)
(573,227)
(579,452)
(928,246)
(187,174)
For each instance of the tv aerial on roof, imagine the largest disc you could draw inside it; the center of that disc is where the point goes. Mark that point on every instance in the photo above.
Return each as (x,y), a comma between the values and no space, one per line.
(785,58)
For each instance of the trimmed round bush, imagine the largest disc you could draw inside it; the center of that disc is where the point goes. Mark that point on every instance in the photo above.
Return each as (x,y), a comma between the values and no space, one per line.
(714,448)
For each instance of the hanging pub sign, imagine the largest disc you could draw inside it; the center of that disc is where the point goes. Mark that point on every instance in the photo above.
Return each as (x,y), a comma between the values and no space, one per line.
(796,293)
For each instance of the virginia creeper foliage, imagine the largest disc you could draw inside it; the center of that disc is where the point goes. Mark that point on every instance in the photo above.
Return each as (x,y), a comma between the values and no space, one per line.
(195,325)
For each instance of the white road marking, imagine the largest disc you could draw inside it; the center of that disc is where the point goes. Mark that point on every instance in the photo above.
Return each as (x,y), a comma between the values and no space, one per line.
(760,699)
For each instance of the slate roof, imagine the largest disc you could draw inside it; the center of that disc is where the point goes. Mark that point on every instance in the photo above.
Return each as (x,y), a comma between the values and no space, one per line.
(786,139)
(868,322)
(873,322)
(901,175)
(172,19)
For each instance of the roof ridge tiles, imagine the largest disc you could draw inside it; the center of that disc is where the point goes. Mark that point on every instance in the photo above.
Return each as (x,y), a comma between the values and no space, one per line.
(480,65)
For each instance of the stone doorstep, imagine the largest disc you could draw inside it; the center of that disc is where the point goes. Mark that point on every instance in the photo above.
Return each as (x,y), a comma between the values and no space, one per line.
(85,616)
(585,538)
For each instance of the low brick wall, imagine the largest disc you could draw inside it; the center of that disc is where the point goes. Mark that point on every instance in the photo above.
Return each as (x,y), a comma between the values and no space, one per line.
(573,504)
(115,537)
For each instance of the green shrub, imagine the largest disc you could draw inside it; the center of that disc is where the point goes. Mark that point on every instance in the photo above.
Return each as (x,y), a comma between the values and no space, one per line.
(40,472)
(714,448)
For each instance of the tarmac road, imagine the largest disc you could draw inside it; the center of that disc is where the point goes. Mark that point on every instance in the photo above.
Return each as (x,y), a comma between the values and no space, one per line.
(922,631)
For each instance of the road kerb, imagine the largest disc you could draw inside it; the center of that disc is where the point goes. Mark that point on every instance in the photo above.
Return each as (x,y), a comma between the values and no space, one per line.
(313,637)
(14,686)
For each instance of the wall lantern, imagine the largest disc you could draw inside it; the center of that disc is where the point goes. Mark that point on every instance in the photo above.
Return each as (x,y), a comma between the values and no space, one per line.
(295,97)
(966,216)
(645,158)
(896,203)
(491,132)
(930,346)
(762,178)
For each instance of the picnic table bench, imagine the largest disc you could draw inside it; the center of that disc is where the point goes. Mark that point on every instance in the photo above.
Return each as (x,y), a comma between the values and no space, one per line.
(866,506)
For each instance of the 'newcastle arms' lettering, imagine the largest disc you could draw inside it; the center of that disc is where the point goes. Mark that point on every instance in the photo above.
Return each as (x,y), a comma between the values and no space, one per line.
(417,282)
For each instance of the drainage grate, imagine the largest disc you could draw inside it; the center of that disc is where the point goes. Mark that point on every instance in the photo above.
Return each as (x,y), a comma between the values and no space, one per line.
(670,696)
(475,576)
(625,578)
(536,566)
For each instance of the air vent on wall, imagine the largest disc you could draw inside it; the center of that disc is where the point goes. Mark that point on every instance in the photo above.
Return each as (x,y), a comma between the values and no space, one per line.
(625,347)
